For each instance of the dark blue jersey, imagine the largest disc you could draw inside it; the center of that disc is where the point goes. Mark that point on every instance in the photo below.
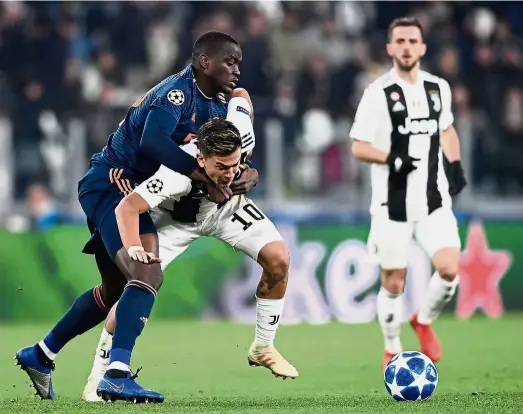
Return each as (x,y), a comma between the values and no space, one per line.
(157,123)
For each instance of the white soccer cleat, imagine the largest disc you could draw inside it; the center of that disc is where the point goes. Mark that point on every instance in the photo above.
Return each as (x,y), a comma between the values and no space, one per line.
(98,371)
(265,355)
(100,364)
(89,393)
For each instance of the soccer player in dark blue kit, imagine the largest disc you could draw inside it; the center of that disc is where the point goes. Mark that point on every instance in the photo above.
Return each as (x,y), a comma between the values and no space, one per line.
(149,136)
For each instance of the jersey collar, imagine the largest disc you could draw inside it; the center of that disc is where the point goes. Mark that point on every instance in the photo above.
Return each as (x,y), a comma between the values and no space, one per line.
(199,90)
(402,83)
(191,72)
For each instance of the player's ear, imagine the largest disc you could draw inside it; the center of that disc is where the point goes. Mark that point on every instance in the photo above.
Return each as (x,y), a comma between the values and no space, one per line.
(199,159)
(389,49)
(423,49)
(204,61)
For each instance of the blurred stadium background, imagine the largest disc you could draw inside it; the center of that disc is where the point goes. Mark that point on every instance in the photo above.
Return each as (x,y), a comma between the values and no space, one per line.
(70,70)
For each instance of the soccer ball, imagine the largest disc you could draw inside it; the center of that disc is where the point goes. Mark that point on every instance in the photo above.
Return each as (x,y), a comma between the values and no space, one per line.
(411,376)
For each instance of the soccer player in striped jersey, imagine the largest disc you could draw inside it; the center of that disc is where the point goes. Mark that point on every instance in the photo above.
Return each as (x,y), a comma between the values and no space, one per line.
(403,124)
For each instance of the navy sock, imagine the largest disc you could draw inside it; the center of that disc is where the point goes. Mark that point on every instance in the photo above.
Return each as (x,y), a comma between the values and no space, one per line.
(86,312)
(132,313)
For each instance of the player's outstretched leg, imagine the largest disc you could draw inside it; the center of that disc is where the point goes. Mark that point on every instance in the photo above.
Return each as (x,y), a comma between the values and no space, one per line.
(132,313)
(389,309)
(38,360)
(441,289)
(270,299)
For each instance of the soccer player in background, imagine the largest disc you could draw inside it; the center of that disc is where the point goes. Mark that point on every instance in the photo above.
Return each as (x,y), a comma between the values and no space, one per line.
(403,121)
(149,136)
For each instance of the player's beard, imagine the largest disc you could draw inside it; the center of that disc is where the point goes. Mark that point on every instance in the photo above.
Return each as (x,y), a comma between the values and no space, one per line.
(406,68)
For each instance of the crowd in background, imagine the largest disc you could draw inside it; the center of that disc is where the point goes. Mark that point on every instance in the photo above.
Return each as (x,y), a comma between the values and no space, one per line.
(305,65)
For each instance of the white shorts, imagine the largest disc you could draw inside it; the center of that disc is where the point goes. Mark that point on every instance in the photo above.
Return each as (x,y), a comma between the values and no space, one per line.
(389,241)
(239,223)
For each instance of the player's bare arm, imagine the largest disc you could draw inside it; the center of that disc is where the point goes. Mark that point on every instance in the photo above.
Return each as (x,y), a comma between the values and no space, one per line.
(450,144)
(128,218)
(161,186)
(366,152)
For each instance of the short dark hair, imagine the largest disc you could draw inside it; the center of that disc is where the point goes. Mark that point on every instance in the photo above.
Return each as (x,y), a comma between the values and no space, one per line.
(211,42)
(405,22)
(218,137)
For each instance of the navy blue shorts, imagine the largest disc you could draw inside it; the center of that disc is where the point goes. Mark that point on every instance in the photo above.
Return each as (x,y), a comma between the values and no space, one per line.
(99,192)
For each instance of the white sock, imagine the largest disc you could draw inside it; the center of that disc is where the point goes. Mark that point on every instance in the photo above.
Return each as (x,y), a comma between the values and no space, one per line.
(51,355)
(119,366)
(268,316)
(101,357)
(390,309)
(439,293)
(100,363)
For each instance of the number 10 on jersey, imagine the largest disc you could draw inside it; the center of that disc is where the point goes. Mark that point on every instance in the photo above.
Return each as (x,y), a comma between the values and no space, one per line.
(244,215)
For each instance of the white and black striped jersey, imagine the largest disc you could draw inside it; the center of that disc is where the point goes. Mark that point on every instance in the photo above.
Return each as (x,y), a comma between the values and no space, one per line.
(404,118)
(183,197)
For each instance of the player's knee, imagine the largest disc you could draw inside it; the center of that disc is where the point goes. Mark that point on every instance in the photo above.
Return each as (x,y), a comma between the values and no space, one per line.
(448,272)
(148,274)
(275,259)
(446,262)
(279,265)
(393,280)
(152,277)
(395,286)
(158,282)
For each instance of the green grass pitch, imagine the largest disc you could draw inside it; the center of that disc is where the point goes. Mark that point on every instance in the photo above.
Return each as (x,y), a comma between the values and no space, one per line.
(202,367)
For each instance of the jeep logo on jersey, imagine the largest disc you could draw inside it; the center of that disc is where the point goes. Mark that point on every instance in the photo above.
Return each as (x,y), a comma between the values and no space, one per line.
(419,126)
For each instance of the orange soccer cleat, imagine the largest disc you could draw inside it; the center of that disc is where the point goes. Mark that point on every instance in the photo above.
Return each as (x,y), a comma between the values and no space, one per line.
(428,340)
(387,356)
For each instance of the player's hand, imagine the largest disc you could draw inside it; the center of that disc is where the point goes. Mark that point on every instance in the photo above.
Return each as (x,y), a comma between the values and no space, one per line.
(218,194)
(456,176)
(402,163)
(247,180)
(199,175)
(138,254)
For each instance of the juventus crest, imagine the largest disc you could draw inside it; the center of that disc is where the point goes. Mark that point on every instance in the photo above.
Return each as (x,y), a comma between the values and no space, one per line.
(436,100)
